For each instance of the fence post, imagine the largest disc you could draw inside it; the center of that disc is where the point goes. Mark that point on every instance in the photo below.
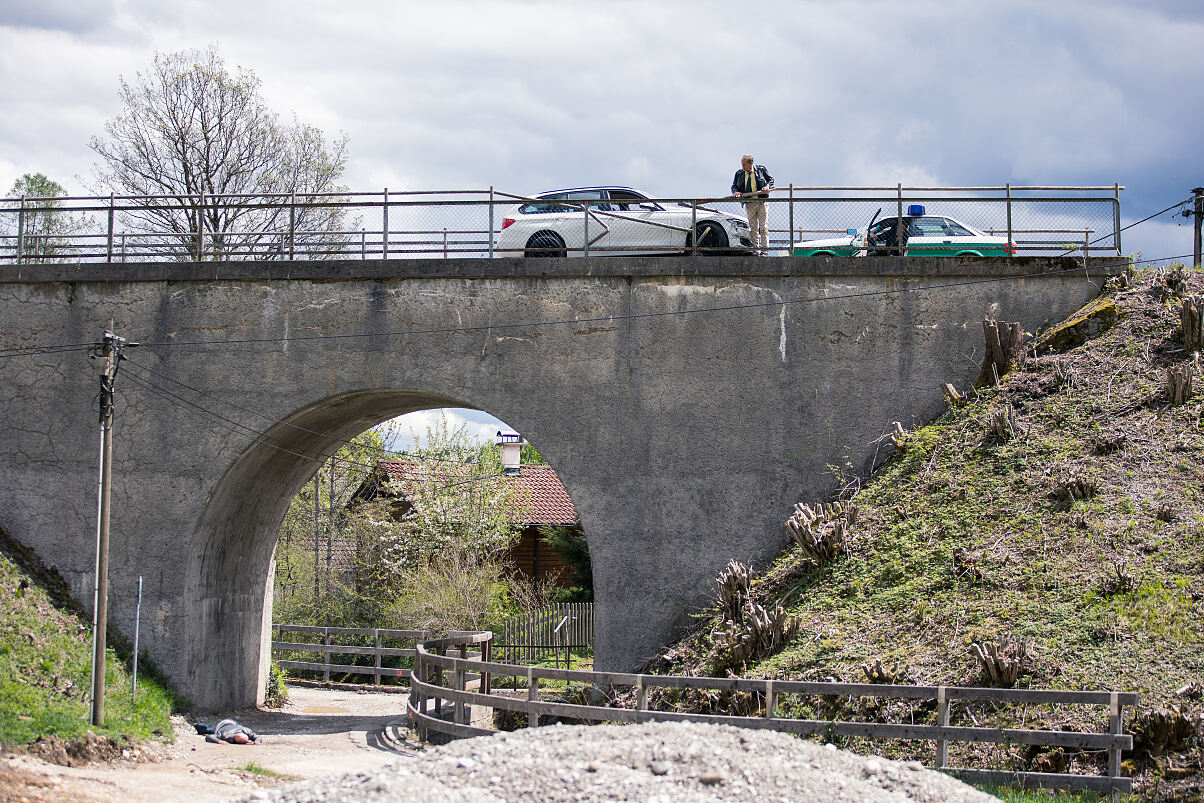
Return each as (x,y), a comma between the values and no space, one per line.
(1114,727)
(585,206)
(533,696)
(376,663)
(771,700)
(445,242)
(200,228)
(641,698)
(292,225)
(1008,187)
(123,247)
(458,709)
(1086,246)
(942,720)
(20,229)
(694,228)
(900,232)
(384,234)
(109,244)
(487,657)
(326,654)
(491,222)
(1116,217)
(790,237)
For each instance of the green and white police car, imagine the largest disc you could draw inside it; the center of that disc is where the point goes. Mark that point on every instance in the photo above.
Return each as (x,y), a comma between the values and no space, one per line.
(926,235)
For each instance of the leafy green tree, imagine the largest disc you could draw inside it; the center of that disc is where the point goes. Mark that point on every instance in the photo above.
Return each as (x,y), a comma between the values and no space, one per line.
(46,228)
(190,129)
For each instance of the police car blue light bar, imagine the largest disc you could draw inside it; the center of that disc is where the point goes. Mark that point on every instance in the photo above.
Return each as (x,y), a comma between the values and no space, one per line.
(915,210)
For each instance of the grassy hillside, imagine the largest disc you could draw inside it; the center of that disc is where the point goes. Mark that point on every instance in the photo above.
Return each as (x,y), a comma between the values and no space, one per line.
(45,657)
(968,537)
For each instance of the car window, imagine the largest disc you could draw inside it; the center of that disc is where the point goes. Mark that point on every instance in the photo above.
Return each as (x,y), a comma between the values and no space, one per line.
(882,225)
(956,229)
(927,227)
(544,206)
(590,195)
(624,200)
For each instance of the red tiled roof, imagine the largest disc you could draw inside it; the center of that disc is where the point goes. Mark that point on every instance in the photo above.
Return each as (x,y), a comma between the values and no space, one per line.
(538,490)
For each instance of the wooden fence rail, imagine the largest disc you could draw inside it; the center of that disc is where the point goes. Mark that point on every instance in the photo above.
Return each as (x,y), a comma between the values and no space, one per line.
(433,664)
(326,648)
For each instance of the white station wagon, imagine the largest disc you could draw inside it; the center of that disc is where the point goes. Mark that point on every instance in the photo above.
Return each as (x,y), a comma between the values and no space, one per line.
(621,222)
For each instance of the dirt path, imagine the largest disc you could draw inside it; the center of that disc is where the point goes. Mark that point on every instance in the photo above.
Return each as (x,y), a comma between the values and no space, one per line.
(319,732)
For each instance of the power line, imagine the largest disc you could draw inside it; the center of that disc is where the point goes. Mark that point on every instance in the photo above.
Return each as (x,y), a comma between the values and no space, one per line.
(1126,228)
(314,456)
(367,447)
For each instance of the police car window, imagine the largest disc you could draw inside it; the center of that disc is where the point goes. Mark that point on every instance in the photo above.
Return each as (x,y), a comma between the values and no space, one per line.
(882,225)
(927,227)
(956,229)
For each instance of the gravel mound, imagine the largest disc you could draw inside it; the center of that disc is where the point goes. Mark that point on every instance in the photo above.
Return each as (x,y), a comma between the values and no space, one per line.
(661,761)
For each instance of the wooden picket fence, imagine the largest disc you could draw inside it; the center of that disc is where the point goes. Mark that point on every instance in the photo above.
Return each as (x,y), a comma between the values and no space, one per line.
(534,636)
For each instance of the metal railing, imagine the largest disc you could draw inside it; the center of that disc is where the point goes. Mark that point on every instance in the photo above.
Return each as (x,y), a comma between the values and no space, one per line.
(431,698)
(468,223)
(554,631)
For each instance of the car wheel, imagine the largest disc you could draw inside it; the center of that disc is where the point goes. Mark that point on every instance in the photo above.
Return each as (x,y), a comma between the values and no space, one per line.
(712,239)
(545,244)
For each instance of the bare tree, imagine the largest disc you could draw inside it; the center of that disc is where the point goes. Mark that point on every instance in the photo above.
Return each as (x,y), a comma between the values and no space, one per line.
(194,132)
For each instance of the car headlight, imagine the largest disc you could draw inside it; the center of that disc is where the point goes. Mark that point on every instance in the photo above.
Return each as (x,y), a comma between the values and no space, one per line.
(737,223)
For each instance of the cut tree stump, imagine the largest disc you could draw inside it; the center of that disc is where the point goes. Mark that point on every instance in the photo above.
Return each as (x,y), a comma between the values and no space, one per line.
(1192,315)
(1005,350)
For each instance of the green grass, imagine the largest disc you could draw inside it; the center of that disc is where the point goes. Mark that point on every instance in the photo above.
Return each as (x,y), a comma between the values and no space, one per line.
(45,659)
(1106,592)
(1010,794)
(255,769)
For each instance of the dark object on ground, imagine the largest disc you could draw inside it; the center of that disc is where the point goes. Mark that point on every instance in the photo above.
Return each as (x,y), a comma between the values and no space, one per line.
(227,731)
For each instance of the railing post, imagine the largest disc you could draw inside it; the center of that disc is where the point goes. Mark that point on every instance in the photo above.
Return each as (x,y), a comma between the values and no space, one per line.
(1116,218)
(641,698)
(1008,188)
(123,247)
(109,246)
(1114,727)
(363,244)
(491,222)
(900,232)
(376,663)
(942,720)
(487,657)
(200,228)
(585,206)
(458,683)
(445,242)
(790,236)
(417,698)
(771,700)
(694,228)
(384,234)
(326,654)
(1086,246)
(20,230)
(533,696)
(292,225)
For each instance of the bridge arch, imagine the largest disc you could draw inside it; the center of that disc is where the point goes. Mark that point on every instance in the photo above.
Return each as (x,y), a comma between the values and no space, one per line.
(228,577)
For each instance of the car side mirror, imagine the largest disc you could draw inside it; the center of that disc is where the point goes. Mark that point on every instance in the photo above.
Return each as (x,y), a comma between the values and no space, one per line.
(649,207)
(851,232)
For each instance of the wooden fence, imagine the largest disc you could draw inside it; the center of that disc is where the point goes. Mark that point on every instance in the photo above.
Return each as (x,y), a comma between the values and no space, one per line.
(434,664)
(326,648)
(552,631)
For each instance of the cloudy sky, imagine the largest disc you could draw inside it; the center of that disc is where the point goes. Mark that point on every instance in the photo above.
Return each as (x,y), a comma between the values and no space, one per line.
(528,95)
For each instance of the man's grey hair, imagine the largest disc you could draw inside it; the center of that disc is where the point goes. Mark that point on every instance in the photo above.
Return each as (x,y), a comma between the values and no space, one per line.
(748,157)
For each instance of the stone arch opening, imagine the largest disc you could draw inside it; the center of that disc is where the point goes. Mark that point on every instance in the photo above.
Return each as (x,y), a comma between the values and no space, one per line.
(228,578)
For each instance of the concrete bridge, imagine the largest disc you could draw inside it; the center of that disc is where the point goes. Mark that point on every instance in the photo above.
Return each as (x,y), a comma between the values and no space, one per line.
(684,439)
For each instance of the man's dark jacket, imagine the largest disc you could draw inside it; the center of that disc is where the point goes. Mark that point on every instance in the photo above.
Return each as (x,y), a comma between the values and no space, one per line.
(760,175)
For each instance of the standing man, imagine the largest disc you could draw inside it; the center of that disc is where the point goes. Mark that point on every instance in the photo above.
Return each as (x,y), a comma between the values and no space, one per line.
(753,181)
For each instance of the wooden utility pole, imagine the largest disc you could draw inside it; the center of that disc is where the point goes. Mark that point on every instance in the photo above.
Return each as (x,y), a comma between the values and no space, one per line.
(110,351)
(1198,213)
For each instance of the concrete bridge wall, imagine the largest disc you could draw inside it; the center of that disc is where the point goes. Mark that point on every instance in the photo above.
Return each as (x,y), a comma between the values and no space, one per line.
(684,440)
